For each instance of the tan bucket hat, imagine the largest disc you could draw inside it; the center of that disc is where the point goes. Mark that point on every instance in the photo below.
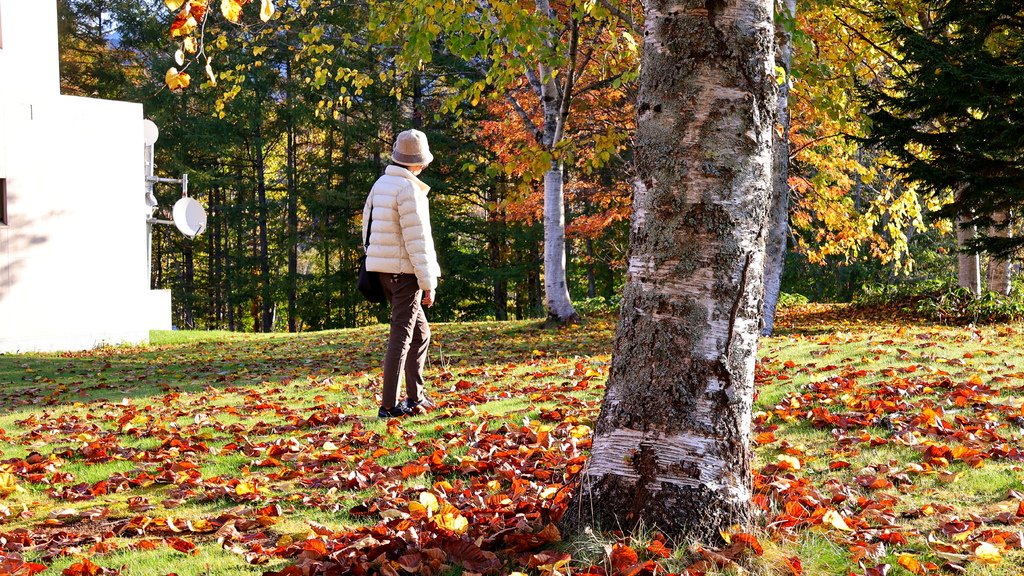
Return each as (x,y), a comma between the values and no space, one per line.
(411,149)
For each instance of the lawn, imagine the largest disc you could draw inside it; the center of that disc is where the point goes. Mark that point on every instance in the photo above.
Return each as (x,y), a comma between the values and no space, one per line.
(881,447)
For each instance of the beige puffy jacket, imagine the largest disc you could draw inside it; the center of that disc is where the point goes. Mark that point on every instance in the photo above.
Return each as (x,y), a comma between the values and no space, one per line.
(400,242)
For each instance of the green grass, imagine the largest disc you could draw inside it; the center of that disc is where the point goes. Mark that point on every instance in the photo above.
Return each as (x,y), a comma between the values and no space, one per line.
(251,399)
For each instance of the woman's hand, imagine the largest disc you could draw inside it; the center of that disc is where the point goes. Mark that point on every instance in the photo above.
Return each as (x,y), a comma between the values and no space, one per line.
(428,298)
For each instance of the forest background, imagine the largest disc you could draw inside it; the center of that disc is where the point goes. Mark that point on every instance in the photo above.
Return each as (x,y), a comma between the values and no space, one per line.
(294,122)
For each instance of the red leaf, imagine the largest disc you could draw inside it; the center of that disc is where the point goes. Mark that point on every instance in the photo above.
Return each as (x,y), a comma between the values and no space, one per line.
(623,557)
(182,545)
(83,568)
(658,548)
(471,556)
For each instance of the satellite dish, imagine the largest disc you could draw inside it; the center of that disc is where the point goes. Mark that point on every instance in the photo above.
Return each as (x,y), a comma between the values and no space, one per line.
(189,217)
(150,132)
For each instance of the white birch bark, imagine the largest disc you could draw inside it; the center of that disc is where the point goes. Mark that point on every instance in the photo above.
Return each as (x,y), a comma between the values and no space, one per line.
(671,446)
(969,265)
(556,287)
(775,251)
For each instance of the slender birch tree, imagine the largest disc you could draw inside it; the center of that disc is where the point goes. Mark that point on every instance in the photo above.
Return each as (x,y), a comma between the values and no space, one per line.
(775,250)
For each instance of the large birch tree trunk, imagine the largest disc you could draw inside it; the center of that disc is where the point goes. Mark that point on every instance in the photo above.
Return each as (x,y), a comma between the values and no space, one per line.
(775,250)
(969,265)
(556,287)
(998,277)
(671,446)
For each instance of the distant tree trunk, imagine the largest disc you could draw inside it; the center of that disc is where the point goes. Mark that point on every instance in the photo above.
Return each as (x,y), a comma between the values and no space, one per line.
(969,271)
(535,288)
(264,320)
(158,256)
(232,258)
(293,229)
(591,279)
(500,283)
(211,269)
(671,446)
(775,251)
(417,102)
(998,277)
(189,281)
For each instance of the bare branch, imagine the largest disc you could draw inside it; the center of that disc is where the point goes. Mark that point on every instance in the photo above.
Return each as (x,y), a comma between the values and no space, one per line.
(530,125)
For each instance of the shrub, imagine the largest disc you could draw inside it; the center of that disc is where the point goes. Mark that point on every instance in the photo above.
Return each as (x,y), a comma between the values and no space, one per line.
(944,302)
(786,300)
(598,305)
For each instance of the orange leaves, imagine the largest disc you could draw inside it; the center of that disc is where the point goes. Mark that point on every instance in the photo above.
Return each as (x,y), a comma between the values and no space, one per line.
(182,545)
(177,81)
(13,565)
(87,568)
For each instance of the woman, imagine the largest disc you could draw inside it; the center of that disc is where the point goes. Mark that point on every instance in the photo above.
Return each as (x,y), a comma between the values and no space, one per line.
(401,251)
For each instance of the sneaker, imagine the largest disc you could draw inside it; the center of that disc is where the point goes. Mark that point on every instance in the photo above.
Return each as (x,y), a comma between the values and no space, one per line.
(397,412)
(423,406)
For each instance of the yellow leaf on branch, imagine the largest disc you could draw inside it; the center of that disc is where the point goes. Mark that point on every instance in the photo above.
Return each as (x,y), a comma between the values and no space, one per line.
(173,4)
(210,74)
(266,9)
(177,81)
(231,9)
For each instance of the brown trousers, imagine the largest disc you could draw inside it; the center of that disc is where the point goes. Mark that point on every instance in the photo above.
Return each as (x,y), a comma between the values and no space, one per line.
(409,340)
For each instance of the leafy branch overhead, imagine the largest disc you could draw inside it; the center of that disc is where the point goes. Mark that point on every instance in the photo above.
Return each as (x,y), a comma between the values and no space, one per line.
(189,27)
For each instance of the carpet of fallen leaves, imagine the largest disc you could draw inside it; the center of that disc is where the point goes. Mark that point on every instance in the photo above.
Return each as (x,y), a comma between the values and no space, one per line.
(882,447)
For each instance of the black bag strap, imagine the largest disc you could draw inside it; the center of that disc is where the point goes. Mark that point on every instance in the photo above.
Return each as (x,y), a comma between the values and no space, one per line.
(369,225)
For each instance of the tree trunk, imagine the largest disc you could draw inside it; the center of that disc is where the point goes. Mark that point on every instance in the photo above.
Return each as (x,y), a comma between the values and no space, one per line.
(591,278)
(264,323)
(555,101)
(969,271)
(775,250)
(293,230)
(211,268)
(188,276)
(500,281)
(671,445)
(998,277)
(158,270)
(230,268)
(556,288)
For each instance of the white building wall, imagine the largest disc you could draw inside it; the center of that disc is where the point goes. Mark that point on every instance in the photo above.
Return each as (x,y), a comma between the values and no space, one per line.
(73,265)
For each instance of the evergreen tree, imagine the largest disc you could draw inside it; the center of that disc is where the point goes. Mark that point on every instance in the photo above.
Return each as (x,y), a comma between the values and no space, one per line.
(952,114)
